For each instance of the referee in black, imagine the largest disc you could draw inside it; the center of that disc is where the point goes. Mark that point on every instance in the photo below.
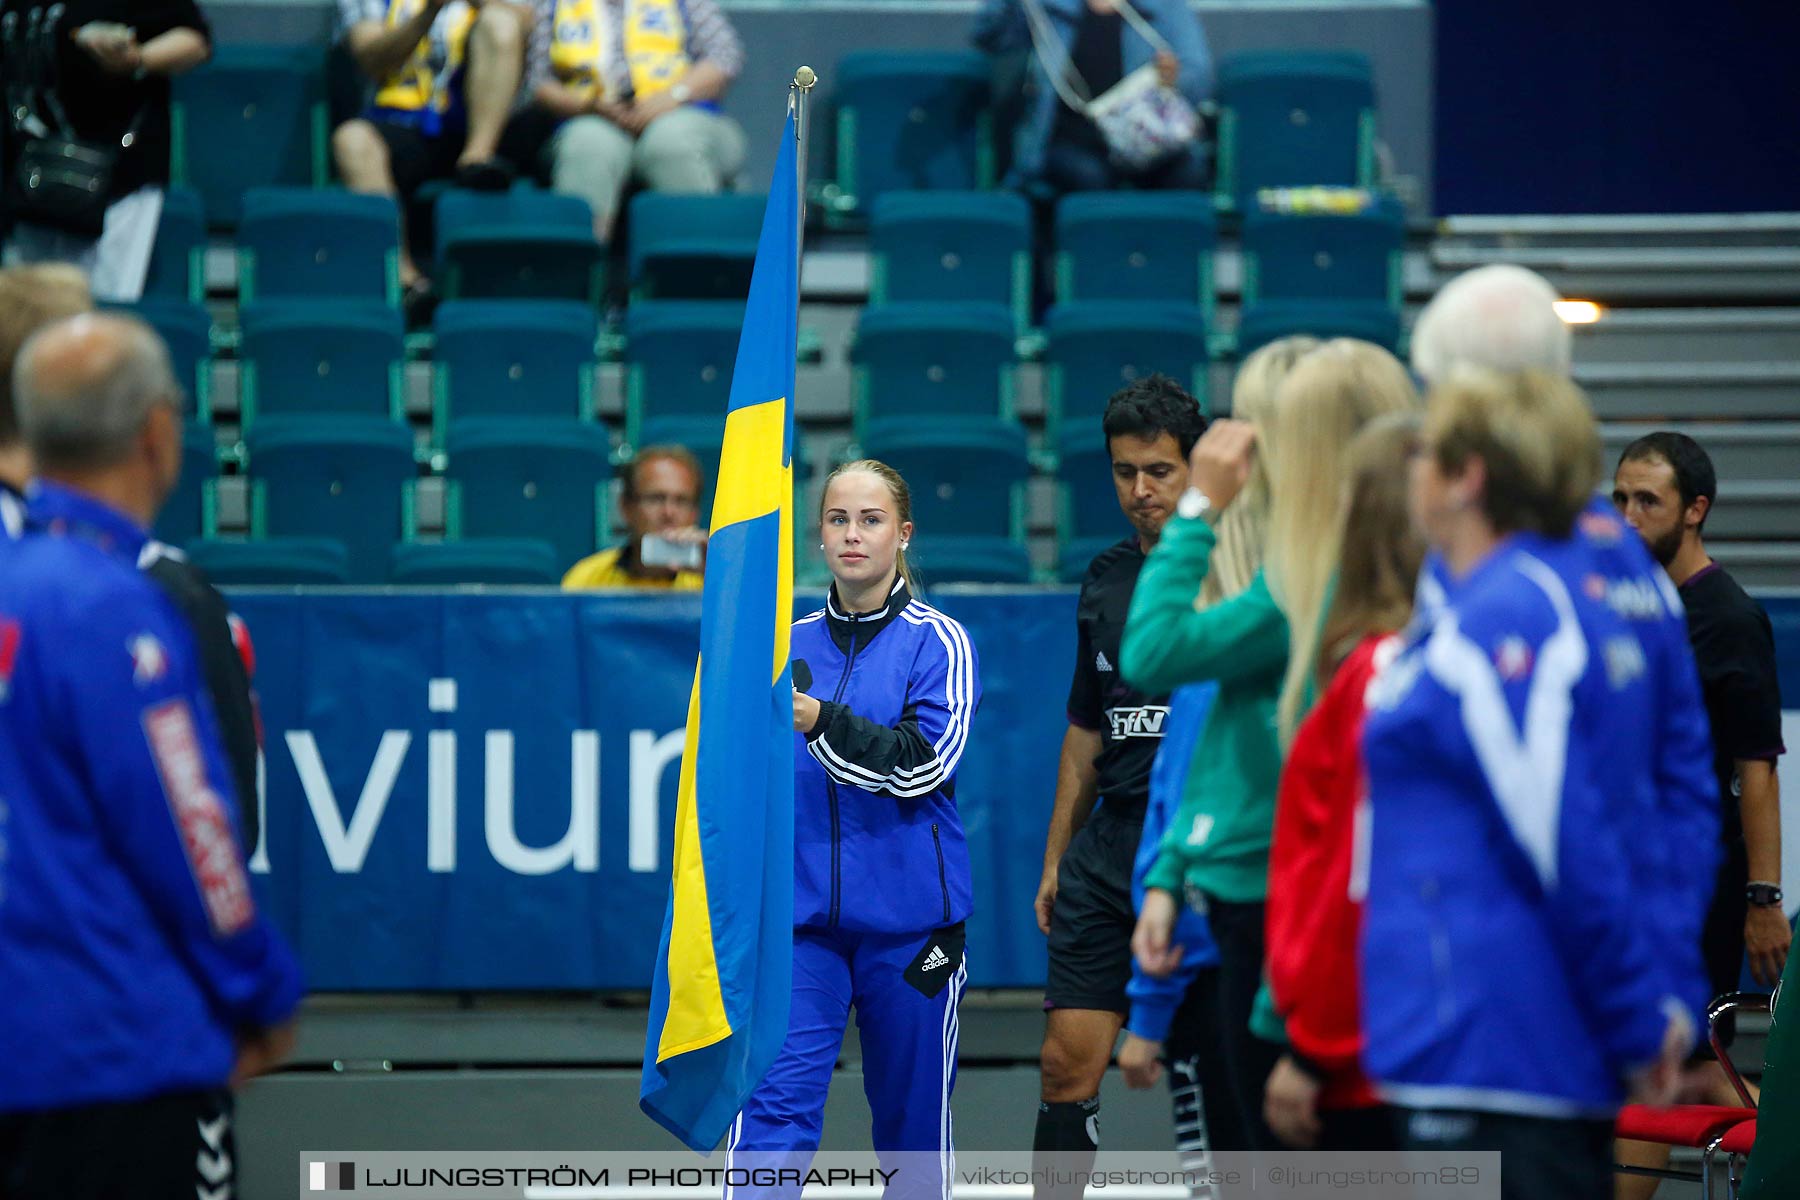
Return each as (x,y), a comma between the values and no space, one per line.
(1103,781)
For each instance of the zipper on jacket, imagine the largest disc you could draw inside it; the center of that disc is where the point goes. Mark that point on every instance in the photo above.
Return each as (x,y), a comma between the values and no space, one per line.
(831,793)
(937,844)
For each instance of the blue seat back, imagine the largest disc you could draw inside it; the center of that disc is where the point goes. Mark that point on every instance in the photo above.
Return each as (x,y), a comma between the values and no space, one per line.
(297,243)
(693,247)
(1291,119)
(934,360)
(679,356)
(1319,256)
(275,562)
(249,117)
(514,476)
(1090,502)
(952,246)
(1096,349)
(1370,321)
(910,121)
(181,518)
(311,357)
(178,256)
(518,244)
(954,558)
(514,358)
(1136,246)
(186,329)
(492,561)
(340,477)
(965,475)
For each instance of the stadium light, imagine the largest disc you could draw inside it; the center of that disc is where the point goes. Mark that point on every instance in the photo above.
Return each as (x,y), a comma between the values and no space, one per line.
(1578,312)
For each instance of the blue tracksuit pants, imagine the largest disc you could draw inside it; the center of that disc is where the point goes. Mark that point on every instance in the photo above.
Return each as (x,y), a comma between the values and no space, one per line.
(905,989)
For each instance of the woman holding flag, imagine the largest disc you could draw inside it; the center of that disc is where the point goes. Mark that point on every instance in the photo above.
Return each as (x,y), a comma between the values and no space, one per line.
(884,689)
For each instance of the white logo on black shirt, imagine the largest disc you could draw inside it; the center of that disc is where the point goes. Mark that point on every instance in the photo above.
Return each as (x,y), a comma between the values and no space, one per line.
(1146,721)
(1101,663)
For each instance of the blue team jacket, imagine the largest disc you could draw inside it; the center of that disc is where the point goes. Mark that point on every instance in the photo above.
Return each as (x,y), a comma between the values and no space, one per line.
(1659,758)
(1510,962)
(131,951)
(878,843)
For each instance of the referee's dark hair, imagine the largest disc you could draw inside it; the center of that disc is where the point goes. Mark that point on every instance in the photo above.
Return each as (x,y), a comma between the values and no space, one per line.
(1694,474)
(1154,405)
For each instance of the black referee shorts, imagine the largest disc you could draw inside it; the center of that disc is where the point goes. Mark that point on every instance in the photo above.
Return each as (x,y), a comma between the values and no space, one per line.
(175,1146)
(1092,919)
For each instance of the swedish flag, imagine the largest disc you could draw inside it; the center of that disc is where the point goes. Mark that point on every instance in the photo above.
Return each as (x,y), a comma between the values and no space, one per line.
(719,1002)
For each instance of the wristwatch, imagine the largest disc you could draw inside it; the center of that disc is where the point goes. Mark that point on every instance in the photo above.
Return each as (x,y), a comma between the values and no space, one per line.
(681,93)
(1763,895)
(1193,503)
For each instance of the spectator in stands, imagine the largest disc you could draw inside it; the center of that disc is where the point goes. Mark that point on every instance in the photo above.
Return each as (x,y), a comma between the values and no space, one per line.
(629,93)
(1664,486)
(1217,848)
(138,981)
(1057,147)
(1317,1095)
(30,298)
(667,546)
(114,60)
(446,74)
(1499,883)
(1084,901)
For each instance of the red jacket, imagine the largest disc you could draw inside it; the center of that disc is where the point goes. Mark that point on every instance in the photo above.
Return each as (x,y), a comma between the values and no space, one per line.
(1313,925)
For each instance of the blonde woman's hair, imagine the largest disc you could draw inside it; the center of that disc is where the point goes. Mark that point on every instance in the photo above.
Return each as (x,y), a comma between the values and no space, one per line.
(1238,554)
(896,487)
(1534,434)
(1378,565)
(1328,397)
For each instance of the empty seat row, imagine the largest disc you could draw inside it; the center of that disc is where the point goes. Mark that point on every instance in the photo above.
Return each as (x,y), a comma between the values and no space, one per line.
(304,243)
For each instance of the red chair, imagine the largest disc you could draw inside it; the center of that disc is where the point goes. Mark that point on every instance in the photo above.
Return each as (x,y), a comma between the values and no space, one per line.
(1735,1144)
(1710,1128)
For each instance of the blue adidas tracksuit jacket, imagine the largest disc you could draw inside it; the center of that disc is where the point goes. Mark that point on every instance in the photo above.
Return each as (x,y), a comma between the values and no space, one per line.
(131,952)
(881,885)
(1659,758)
(1510,962)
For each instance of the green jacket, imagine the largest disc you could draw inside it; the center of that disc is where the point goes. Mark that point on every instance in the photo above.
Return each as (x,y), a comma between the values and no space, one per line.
(1219,839)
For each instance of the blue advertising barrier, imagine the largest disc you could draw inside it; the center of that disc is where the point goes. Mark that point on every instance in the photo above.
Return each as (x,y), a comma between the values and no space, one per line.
(476,790)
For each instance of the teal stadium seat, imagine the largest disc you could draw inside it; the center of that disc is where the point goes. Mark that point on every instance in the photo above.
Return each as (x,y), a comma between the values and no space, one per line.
(1090,519)
(489,561)
(909,120)
(679,356)
(952,246)
(178,256)
(1325,256)
(1136,246)
(522,244)
(338,477)
(253,116)
(1097,348)
(274,562)
(1293,119)
(302,244)
(321,358)
(513,358)
(186,329)
(1272,319)
(693,247)
(933,360)
(182,518)
(512,475)
(967,480)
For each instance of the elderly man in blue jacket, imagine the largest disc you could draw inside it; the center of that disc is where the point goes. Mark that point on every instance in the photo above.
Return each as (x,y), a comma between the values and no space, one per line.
(138,981)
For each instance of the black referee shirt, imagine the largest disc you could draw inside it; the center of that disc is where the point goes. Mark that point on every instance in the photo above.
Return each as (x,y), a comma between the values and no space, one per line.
(1129,722)
(1734,648)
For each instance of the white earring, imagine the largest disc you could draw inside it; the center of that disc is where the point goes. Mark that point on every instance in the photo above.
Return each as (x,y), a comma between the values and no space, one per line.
(904,545)
(821,545)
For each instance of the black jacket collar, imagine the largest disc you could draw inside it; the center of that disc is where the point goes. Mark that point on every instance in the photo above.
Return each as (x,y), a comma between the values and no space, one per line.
(861,628)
